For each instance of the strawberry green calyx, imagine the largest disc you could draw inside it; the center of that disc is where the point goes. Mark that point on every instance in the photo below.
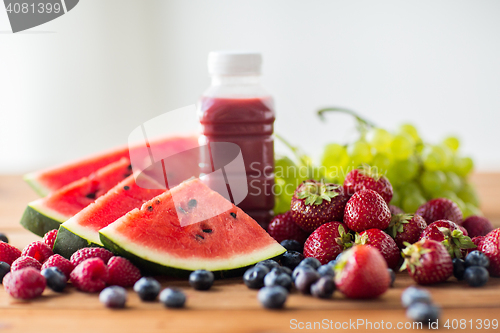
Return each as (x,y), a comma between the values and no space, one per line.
(345,238)
(411,255)
(397,224)
(342,261)
(315,193)
(454,241)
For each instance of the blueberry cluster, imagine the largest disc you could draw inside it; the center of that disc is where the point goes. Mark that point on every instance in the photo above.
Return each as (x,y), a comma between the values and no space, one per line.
(419,305)
(474,269)
(149,288)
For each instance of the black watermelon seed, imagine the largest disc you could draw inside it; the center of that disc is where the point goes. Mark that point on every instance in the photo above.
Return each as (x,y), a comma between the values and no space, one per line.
(192,203)
(200,236)
(91,195)
(126,175)
(157,202)
(233,214)
(182,210)
(129,167)
(207,230)
(126,188)
(150,208)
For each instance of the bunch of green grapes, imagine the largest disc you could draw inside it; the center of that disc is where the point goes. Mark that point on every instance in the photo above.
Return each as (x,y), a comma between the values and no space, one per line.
(418,171)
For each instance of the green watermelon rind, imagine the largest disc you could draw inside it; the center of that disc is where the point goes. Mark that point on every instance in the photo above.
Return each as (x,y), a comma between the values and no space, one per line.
(40,219)
(152,267)
(68,242)
(39,188)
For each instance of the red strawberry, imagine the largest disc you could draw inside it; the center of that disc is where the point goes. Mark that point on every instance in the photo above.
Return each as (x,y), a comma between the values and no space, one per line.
(50,238)
(427,262)
(367,178)
(8,253)
(382,242)
(23,262)
(450,235)
(315,203)
(366,209)
(38,250)
(326,242)
(477,225)
(362,273)
(406,228)
(90,275)
(490,246)
(26,283)
(122,272)
(477,241)
(60,262)
(90,252)
(440,209)
(284,227)
(395,210)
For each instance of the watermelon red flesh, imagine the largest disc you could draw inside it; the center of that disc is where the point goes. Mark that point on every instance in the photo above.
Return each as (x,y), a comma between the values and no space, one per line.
(83,229)
(223,242)
(52,179)
(47,213)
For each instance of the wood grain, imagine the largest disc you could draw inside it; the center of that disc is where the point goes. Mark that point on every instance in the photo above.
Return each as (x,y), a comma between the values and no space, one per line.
(229,306)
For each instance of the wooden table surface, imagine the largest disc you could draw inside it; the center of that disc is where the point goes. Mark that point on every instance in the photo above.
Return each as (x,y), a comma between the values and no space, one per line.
(229,306)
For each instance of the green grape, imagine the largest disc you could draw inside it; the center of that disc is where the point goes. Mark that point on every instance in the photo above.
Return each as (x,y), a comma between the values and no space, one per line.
(463,166)
(447,157)
(452,142)
(360,153)
(402,146)
(396,198)
(284,168)
(433,158)
(382,162)
(411,203)
(411,130)
(453,182)
(380,139)
(432,181)
(470,210)
(334,161)
(403,171)
(469,195)
(409,189)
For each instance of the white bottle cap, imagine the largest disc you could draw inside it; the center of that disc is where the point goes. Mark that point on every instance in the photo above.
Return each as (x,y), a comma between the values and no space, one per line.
(234,63)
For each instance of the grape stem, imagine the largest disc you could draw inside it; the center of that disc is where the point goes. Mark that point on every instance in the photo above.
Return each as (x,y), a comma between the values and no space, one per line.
(299,155)
(361,120)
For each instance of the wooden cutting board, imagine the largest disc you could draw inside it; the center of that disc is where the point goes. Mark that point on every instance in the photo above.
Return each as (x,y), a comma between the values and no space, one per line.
(231,307)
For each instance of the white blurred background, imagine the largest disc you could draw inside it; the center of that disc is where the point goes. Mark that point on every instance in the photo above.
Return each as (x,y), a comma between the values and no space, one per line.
(83,82)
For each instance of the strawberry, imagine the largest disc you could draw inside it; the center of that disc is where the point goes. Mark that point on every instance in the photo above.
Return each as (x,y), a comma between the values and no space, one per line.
(440,209)
(395,210)
(90,252)
(490,246)
(38,250)
(60,262)
(477,225)
(382,242)
(23,262)
(361,272)
(450,235)
(327,242)
(90,275)
(477,241)
(315,203)
(367,178)
(122,272)
(50,238)
(366,209)
(284,227)
(427,261)
(25,283)
(406,228)
(8,253)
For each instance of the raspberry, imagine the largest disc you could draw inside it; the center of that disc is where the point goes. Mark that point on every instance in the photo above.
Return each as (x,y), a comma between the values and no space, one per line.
(23,262)
(90,252)
(26,283)
(60,262)
(477,225)
(122,272)
(284,227)
(50,238)
(38,250)
(8,253)
(90,275)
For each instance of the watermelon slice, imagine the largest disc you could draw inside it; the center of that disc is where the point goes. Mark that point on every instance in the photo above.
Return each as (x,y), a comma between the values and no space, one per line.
(187,228)
(48,213)
(46,181)
(82,230)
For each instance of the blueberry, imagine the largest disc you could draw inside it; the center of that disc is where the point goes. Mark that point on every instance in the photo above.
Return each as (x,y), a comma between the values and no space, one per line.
(272,297)
(423,312)
(269,263)
(3,238)
(201,279)
(392,274)
(56,280)
(413,295)
(4,269)
(323,288)
(277,278)
(113,297)
(313,262)
(339,256)
(291,259)
(299,269)
(147,288)
(458,268)
(476,258)
(326,270)
(286,270)
(292,245)
(305,279)
(254,276)
(172,298)
(332,262)
(476,276)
